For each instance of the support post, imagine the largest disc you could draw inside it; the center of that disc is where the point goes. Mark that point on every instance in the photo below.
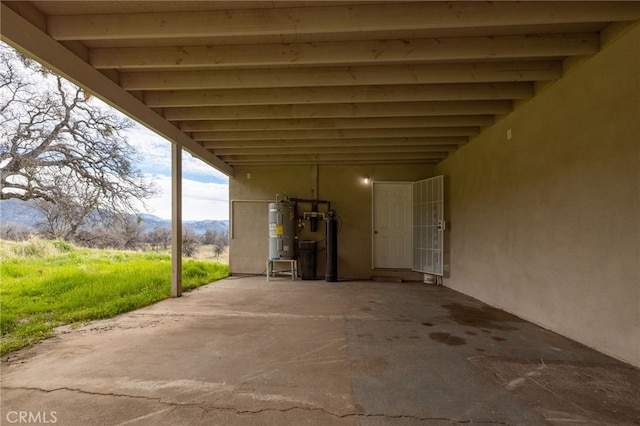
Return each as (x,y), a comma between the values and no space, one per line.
(176,220)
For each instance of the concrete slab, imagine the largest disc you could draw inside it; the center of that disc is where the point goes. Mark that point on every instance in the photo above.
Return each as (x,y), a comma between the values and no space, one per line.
(244,351)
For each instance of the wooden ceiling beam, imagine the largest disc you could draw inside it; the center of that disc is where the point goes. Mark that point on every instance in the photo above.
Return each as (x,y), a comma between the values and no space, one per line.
(327,110)
(337,123)
(333,19)
(280,158)
(312,95)
(335,150)
(336,134)
(320,143)
(347,52)
(332,162)
(483,72)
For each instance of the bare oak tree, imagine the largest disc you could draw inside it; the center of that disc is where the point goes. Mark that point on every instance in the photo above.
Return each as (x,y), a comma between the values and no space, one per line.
(159,238)
(62,147)
(218,240)
(190,241)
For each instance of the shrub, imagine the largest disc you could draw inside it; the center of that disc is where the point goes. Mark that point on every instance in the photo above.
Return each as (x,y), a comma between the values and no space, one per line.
(62,246)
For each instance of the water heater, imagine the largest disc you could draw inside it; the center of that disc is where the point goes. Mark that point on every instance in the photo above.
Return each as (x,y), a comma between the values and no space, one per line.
(281,230)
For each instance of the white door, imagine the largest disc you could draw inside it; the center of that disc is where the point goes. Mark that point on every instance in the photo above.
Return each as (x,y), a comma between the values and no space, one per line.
(392,225)
(428,225)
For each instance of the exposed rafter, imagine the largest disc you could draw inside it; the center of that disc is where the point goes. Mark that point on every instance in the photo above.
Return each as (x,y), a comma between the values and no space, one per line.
(487,72)
(285,144)
(338,150)
(338,123)
(329,110)
(337,134)
(316,158)
(347,53)
(331,19)
(360,94)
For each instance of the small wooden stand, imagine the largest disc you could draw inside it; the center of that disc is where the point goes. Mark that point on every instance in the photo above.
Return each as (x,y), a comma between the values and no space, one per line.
(293,268)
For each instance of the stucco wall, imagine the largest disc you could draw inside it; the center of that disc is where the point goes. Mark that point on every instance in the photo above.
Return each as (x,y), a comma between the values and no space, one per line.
(341,185)
(546,225)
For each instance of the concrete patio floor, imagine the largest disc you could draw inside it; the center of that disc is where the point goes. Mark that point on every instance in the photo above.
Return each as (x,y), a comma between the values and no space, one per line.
(244,351)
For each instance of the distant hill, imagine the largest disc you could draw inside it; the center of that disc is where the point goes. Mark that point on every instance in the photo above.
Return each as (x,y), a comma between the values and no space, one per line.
(201,226)
(17,212)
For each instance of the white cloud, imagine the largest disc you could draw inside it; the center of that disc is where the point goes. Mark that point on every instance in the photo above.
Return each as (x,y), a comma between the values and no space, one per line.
(200,200)
(197,168)
(156,154)
(154,150)
(205,190)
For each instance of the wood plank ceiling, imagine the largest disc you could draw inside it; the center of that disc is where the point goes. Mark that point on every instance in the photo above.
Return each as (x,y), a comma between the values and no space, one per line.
(272,83)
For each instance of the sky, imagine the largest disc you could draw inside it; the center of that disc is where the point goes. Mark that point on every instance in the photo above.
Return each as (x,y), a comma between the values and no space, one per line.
(205,190)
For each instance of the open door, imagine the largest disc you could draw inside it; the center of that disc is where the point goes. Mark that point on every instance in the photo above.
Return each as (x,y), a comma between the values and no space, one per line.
(428,226)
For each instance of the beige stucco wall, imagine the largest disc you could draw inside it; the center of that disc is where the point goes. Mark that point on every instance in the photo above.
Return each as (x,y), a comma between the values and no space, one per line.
(341,185)
(547,225)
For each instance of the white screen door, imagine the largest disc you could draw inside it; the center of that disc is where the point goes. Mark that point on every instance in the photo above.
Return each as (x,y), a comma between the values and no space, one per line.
(392,225)
(428,225)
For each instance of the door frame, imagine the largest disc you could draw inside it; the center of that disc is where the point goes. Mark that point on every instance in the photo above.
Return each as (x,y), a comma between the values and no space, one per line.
(439,272)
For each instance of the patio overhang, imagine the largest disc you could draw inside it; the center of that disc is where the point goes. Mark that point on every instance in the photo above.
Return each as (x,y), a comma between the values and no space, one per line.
(306,82)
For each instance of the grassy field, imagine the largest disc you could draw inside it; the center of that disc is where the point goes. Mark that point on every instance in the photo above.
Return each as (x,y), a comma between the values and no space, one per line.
(44,284)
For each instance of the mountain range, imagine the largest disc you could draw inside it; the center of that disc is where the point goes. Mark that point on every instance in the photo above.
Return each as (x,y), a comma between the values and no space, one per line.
(17,212)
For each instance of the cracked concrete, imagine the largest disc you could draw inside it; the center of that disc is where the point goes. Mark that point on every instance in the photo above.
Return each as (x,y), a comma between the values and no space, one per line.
(243,351)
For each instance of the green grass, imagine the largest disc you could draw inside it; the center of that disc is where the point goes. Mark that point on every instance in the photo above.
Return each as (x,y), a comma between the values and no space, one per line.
(45,284)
